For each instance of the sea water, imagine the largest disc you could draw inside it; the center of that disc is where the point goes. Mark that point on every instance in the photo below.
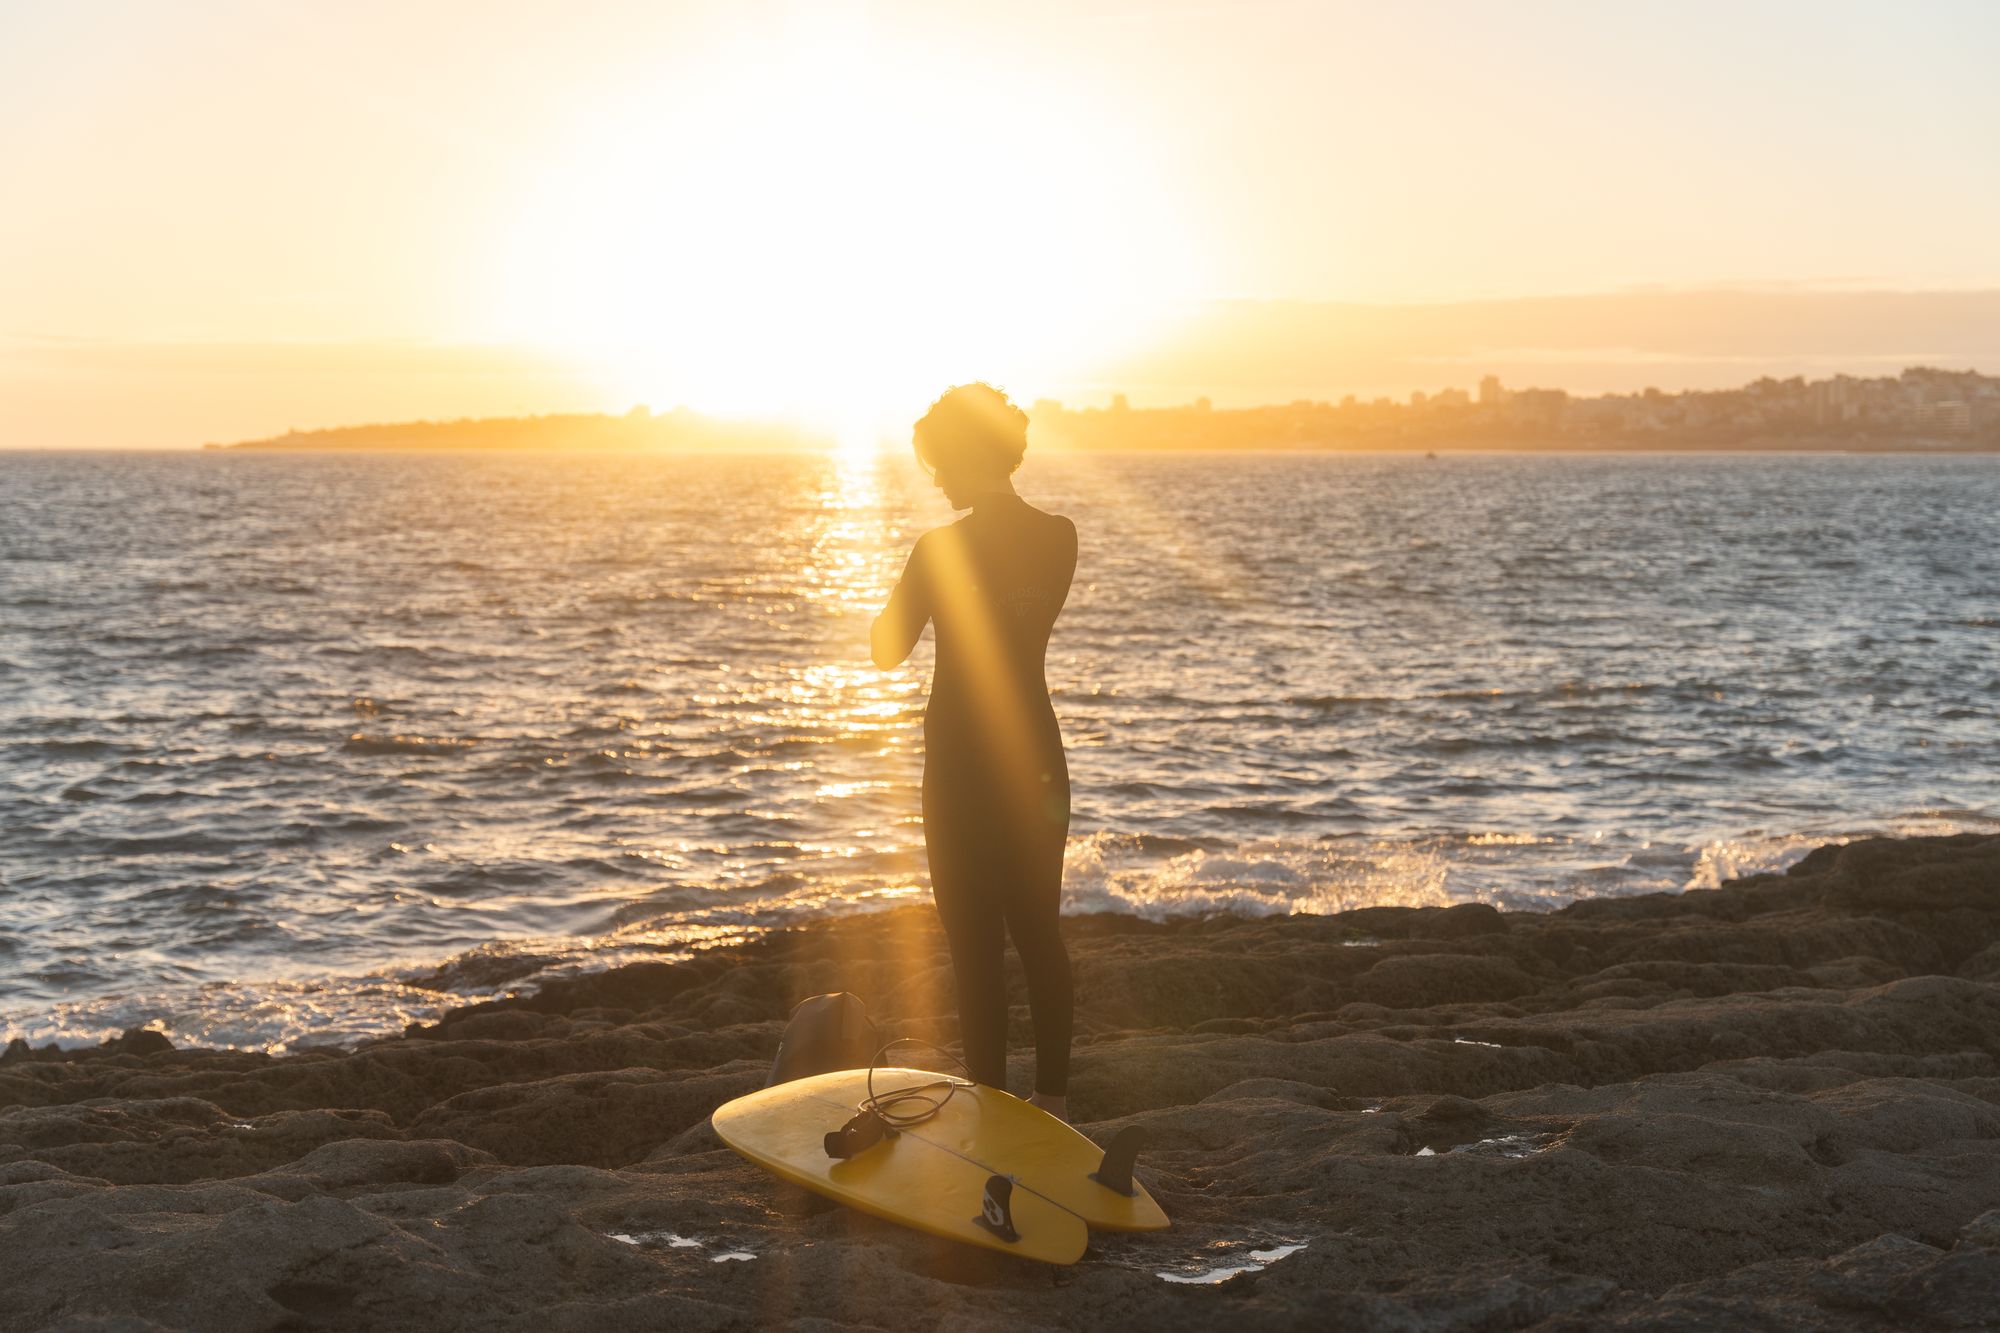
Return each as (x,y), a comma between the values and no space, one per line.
(300,747)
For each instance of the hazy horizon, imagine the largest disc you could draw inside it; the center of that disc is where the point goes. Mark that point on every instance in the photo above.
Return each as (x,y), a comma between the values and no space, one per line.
(1235,353)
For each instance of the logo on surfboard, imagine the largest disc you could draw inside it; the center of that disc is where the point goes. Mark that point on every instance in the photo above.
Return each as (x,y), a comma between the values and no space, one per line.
(996,1208)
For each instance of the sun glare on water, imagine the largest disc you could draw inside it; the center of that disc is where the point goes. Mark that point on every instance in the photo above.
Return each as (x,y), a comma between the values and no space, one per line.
(832,228)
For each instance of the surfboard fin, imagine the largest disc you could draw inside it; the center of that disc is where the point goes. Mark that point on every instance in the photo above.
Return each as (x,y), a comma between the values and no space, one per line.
(1115,1171)
(996,1209)
(864,1131)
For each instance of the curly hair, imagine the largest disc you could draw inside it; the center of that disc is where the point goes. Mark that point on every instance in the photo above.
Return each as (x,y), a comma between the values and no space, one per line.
(972,427)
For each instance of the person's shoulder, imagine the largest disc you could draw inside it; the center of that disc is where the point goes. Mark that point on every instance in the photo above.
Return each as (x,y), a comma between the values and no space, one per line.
(1059,536)
(944,534)
(1053,521)
(958,530)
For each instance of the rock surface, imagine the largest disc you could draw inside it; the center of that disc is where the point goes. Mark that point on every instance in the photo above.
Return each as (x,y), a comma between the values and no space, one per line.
(1774,1105)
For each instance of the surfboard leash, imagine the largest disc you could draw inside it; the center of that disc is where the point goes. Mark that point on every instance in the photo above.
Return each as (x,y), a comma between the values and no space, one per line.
(927,1104)
(885,1113)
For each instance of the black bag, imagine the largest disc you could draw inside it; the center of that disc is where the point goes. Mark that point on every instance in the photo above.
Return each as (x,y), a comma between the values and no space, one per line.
(827,1032)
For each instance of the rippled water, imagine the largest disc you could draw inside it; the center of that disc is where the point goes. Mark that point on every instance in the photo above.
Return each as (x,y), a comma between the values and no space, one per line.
(297,747)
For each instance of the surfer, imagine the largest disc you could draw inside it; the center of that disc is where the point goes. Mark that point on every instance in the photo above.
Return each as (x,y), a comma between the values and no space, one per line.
(996,785)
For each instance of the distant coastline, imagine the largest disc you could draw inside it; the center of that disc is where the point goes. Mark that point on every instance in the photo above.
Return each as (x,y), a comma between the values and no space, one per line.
(1921,410)
(637,431)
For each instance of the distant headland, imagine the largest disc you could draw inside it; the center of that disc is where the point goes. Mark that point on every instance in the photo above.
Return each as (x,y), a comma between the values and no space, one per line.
(640,430)
(1921,409)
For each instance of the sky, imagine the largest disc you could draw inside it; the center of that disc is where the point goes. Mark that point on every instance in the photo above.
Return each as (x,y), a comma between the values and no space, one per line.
(225,219)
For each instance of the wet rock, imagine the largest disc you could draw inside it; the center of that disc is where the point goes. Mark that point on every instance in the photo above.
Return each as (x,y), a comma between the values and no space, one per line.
(1410,981)
(1982,1231)
(139,1041)
(602,1119)
(354,1162)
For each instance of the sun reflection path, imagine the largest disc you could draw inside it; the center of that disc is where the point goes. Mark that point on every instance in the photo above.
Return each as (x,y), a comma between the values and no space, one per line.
(854,560)
(858,546)
(860,536)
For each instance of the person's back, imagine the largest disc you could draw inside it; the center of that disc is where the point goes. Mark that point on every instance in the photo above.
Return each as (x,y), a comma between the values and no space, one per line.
(996,787)
(999,578)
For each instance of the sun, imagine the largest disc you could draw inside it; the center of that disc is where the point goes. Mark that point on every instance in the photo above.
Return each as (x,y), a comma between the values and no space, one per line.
(836,228)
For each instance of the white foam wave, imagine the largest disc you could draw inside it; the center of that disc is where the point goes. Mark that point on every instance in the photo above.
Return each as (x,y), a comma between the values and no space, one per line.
(271,1016)
(1725,859)
(1103,873)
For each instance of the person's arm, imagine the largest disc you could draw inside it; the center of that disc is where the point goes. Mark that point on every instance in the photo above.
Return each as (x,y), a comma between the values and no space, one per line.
(902,622)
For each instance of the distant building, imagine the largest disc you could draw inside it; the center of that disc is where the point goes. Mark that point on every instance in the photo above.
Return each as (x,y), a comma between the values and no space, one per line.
(1453,398)
(1418,398)
(1490,392)
(1539,406)
(1833,402)
(1951,417)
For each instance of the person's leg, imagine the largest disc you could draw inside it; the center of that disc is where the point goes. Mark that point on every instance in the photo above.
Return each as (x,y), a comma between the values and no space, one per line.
(1033,904)
(976,932)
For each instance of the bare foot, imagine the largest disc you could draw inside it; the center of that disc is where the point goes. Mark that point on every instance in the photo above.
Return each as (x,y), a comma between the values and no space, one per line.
(1054,1105)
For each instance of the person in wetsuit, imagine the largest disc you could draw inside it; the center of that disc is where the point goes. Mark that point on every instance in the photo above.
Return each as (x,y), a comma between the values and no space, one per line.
(996,785)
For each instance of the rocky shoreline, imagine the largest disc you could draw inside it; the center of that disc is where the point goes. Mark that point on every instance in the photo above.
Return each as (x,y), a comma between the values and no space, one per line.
(1772,1105)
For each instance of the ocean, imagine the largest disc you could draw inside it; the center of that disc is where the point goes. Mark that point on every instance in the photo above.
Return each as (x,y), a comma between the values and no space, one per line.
(296,749)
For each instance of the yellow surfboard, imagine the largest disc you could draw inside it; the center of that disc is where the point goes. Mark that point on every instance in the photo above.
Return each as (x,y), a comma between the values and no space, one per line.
(941,1176)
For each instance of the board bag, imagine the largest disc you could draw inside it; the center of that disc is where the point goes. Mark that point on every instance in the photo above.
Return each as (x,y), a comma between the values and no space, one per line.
(826,1033)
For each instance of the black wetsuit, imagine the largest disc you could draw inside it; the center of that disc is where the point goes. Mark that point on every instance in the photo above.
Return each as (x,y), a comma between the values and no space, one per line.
(996,786)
